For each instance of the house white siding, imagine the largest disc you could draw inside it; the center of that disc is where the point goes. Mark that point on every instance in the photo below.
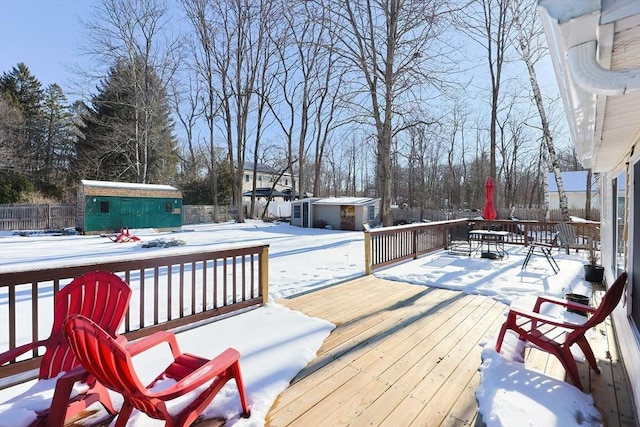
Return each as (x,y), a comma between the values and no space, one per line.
(595,50)
(620,251)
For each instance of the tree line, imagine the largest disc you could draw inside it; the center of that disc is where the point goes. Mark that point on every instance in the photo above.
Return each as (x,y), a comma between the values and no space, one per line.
(415,102)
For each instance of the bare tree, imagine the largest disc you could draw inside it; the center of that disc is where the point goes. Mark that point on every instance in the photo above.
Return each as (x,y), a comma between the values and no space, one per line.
(455,153)
(487,23)
(479,167)
(186,104)
(306,107)
(324,125)
(532,49)
(390,48)
(241,33)
(416,163)
(265,87)
(511,142)
(205,69)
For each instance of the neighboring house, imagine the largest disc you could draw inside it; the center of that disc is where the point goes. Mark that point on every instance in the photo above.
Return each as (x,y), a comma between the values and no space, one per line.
(339,213)
(265,176)
(595,49)
(104,206)
(575,187)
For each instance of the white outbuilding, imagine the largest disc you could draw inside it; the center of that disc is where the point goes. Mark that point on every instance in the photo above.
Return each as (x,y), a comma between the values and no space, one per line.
(338,213)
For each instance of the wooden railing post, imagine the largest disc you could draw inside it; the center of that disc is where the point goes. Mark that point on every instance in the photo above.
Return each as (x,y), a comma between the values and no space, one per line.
(367,252)
(264,274)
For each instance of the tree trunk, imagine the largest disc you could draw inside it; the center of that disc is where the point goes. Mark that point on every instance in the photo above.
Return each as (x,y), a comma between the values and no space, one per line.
(587,204)
(525,52)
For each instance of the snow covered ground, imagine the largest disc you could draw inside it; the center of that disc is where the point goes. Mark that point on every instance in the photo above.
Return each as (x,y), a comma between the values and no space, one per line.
(276,342)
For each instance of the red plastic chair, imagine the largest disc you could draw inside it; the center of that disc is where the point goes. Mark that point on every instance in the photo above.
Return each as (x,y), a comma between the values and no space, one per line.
(101,296)
(123,236)
(111,363)
(556,337)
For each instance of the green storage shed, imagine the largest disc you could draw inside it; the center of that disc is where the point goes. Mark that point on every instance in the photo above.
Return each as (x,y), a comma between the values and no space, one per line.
(105,206)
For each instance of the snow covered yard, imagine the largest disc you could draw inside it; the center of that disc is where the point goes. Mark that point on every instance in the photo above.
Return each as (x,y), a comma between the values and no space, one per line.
(276,343)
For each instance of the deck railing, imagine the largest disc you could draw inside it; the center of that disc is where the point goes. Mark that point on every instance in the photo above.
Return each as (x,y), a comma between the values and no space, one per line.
(169,291)
(389,245)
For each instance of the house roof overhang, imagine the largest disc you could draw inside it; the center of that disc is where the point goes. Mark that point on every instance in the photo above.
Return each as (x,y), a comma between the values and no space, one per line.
(595,51)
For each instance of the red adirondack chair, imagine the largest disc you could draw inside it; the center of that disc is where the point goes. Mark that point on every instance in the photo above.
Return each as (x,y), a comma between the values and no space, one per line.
(100,295)
(110,361)
(556,337)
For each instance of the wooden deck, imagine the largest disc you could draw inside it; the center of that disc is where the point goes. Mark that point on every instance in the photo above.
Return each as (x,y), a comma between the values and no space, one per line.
(406,355)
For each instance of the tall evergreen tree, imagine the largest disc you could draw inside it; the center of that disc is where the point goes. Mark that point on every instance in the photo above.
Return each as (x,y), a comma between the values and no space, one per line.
(24,91)
(11,135)
(129,134)
(58,147)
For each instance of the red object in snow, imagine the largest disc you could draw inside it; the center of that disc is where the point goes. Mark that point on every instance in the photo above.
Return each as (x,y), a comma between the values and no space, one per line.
(111,362)
(100,295)
(556,336)
(489,212)
(123,236)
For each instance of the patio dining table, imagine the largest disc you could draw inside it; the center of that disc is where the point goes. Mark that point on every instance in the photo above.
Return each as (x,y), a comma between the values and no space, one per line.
(490,243)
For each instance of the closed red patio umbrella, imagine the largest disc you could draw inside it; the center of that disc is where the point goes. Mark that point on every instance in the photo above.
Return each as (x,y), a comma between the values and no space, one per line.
(489,211)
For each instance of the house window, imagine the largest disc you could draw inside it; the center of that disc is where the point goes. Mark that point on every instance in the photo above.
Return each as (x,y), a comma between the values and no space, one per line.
(372,213)
(619,209)
(296,211)
(286,182)
(246,178)
(104,207)
(260,178)
(168,207)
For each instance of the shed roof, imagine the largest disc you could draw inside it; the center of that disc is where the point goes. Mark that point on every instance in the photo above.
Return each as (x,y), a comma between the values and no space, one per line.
(345,201)
(128,189)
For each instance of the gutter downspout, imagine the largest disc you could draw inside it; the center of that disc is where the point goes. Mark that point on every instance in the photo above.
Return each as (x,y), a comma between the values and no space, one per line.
(593,78)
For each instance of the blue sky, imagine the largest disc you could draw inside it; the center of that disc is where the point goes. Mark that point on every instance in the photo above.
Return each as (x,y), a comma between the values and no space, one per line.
(47,35)
(44,34)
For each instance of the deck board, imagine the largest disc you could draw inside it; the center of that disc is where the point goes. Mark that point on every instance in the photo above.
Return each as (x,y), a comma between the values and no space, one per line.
(405,354)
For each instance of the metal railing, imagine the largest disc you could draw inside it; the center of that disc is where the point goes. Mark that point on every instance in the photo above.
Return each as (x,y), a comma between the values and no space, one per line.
(171,291)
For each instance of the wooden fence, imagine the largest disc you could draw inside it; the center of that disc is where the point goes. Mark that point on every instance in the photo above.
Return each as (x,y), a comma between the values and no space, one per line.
(37,217)
(203,214)
(168,292)
(389,245)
